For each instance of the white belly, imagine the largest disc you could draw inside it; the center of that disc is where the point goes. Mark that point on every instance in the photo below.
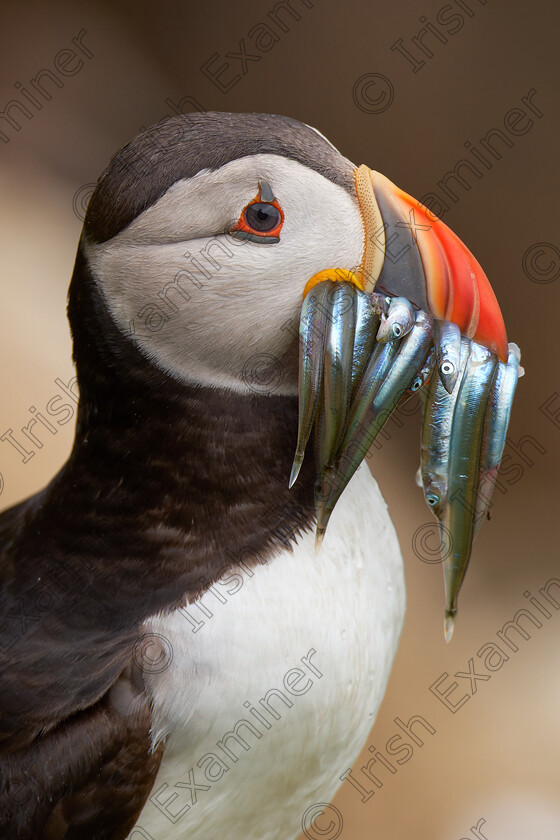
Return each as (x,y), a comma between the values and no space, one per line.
(346,602)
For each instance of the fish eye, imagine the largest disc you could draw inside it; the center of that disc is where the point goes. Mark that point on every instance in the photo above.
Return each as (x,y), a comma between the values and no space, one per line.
(397,330)
(416,384)
(447,367)
(432,499)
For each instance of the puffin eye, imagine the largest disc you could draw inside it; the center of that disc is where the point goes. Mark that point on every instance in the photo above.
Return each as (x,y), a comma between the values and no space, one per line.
(261,220)
(262,217)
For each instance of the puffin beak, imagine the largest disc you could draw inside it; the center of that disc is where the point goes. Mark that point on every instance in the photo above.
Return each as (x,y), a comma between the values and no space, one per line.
(409,252)
(370,337)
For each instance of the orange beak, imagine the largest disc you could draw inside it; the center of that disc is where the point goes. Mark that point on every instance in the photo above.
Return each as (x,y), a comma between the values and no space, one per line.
(409,252)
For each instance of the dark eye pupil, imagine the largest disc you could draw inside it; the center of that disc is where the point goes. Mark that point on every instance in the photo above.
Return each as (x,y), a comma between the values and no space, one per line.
(262,217)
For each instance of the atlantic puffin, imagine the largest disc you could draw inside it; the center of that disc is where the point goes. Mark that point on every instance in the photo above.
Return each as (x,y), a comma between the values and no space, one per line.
(178,658)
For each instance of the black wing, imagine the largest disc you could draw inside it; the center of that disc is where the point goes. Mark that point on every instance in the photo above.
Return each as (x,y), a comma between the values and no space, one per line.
(75,752)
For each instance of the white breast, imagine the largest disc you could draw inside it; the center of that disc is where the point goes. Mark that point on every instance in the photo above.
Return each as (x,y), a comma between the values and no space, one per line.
(345,602)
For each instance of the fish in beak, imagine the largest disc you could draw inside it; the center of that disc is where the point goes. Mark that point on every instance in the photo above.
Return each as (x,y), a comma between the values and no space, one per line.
(418,310)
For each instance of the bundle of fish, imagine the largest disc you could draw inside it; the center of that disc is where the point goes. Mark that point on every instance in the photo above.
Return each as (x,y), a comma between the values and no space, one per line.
(362,356)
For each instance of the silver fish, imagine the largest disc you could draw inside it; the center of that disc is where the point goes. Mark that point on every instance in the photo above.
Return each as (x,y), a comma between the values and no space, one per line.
(448,349)
(313,326)
(464,458)
(367,324)
(436,438)
(496,422)
(399,320)
(421,379)
(394,367)
(376,369)
(337,373)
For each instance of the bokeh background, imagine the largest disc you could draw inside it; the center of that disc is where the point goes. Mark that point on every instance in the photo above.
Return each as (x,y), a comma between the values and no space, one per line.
(342,68)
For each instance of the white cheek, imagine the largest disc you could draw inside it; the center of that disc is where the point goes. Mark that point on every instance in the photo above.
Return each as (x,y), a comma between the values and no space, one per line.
(213,309)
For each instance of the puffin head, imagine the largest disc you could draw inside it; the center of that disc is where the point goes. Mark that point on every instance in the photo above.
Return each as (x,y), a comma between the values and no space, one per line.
(204,233)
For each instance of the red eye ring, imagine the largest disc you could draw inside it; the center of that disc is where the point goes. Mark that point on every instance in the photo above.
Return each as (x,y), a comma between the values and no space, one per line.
(247,225)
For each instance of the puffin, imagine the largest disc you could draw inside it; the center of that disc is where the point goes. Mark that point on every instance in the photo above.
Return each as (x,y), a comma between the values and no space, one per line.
(179,659)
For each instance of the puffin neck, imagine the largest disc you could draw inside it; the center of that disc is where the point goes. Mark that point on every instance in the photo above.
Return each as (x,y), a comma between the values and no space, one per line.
(175,464)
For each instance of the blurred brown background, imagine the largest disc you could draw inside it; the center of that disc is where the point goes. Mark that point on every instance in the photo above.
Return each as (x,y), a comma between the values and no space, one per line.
(497,757)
